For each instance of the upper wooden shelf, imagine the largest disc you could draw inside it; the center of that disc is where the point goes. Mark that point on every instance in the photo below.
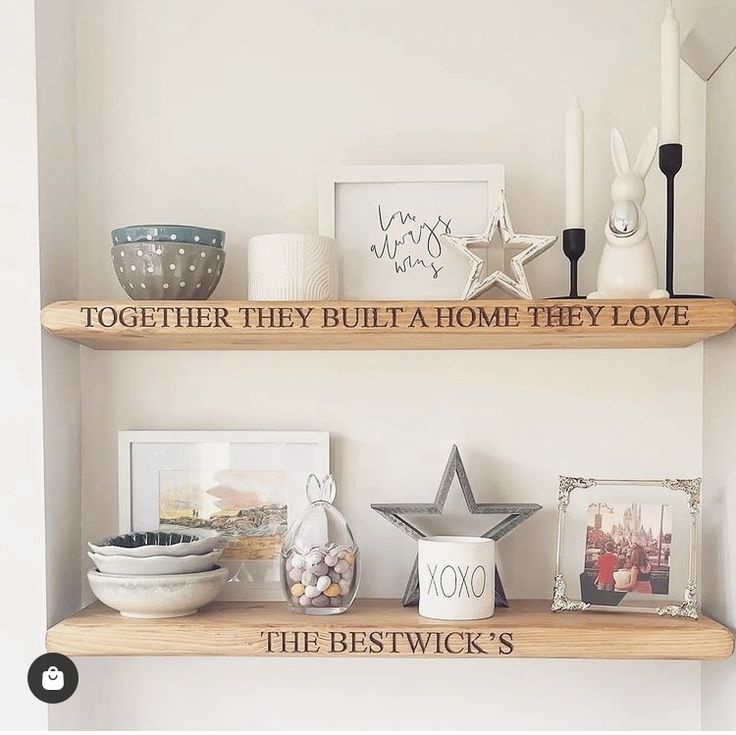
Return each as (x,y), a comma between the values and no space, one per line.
(400,325)
(384,628)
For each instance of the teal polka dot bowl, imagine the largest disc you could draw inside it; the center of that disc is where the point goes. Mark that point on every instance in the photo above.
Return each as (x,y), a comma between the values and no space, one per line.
(168,270)
(169,233)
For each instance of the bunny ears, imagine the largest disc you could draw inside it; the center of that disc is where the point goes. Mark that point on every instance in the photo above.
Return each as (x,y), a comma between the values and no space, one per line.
(644,159)
(321,490)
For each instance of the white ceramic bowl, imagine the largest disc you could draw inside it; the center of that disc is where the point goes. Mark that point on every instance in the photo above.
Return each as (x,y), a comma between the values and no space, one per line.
(150,565)
(207,540)
(160,596)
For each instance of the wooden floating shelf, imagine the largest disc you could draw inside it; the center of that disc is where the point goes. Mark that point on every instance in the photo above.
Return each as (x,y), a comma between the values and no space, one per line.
(400,325)
(376,628)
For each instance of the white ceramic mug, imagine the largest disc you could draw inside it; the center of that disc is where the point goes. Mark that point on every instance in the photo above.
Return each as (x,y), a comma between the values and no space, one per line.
(292,267)
(456,577)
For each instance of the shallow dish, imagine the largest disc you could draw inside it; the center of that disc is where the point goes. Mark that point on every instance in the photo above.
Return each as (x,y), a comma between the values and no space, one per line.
(159,596)
(168,233)
(167,541)
(143,566)
(165,270)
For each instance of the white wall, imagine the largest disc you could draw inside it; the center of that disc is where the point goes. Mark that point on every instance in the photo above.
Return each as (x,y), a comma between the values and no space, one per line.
(236,134)
(273,694)
(55,54)
(719,527)
(223,113)
(22,563)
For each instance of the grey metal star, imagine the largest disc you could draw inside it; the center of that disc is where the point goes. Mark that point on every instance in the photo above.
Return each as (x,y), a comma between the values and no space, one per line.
(516,514)
(530,246)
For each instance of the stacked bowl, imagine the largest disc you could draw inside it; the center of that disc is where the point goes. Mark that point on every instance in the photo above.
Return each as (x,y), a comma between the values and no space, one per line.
(168,261)
(157,574)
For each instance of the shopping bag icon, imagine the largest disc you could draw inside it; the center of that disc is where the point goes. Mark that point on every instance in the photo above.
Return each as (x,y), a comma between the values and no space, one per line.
(52,680)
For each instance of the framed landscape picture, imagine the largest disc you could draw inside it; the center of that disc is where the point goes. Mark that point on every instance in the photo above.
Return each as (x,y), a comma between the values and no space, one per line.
(628,545)
(247,485)
(388,222)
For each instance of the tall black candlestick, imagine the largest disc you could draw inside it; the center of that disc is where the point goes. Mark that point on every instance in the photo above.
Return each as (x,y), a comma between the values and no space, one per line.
(670,163)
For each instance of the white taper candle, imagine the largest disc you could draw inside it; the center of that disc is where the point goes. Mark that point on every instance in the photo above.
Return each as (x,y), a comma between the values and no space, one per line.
(574,165)
(670,77)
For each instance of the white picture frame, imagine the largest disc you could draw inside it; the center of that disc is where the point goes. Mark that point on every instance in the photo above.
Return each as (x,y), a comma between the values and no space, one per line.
(661,529)
(397,254)
(287,457)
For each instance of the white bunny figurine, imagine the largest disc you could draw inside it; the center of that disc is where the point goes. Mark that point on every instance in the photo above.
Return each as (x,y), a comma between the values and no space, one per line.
(628,268)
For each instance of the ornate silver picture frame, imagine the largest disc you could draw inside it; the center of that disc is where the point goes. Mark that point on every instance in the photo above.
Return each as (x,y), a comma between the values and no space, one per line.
(628,545)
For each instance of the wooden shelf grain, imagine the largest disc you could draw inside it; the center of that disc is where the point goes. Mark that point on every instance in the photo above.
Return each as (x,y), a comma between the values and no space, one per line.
(400,325)
(384,628)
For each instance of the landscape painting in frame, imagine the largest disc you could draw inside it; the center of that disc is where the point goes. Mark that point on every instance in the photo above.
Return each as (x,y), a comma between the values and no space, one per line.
(247,507)
(246,485)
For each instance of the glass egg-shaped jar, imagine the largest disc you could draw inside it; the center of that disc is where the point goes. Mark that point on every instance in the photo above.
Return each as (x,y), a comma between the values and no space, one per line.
(320,564)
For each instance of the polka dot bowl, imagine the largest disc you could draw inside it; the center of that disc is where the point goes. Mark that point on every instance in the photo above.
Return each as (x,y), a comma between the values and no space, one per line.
(166,270)
(169,233)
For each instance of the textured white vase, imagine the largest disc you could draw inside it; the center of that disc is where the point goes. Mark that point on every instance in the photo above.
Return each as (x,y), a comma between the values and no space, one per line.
(292,267)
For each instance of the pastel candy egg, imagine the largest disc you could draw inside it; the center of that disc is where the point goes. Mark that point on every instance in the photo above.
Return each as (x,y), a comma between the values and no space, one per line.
(323,583)
(321,601)
(335,601)
(344,586)
(311,591)
(289,566)
(348,575)
(334,576)
(297,561)
(305,601)
(342,566)
(330,560)
(308,579)
(297,590)
(295,575)
(333,590)
(349,558)
(321,569)
(313,558)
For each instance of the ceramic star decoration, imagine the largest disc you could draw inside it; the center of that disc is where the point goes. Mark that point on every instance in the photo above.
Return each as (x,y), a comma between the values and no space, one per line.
(515,513)
(529,247)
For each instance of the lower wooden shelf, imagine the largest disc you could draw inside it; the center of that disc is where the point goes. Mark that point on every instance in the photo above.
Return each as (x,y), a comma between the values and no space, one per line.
(376,628)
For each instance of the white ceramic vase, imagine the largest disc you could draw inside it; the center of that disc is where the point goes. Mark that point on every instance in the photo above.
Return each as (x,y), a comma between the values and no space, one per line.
(456,577)
(292,267)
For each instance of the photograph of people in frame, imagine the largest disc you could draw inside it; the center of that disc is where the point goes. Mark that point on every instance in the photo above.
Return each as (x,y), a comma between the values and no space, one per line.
(627,552)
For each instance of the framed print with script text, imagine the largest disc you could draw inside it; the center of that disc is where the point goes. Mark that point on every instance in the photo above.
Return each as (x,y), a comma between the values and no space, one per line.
(388,222)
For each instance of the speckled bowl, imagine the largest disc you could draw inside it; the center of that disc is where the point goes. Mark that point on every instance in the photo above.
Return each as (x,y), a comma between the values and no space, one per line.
(165,270)
(168,233)
(159,596)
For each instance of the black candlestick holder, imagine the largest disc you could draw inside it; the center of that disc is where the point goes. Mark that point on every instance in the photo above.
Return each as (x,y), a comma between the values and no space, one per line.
(573,246)
(670,164)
